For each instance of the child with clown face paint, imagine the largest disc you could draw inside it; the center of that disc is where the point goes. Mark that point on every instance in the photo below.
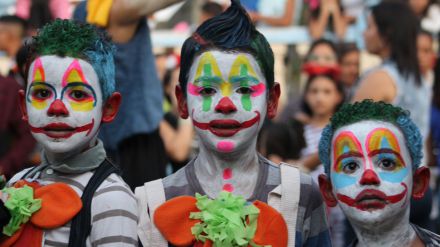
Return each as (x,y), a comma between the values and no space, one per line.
(229,195)
(372,153)
(75,197)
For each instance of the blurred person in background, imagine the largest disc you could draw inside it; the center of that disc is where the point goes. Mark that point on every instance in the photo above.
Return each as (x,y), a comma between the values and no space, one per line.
(398,79)
(40,12)
(12,33)
(281,142)
(278,13)
(349,62)
(323,96)
(209,10)
(428,12)
(426,56)
(16,141)
(326,19)
(176,133)
(133,138)
(322,52)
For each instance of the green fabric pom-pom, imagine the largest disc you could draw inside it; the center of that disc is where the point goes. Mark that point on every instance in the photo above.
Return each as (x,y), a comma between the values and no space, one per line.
(227,221)
(21,205)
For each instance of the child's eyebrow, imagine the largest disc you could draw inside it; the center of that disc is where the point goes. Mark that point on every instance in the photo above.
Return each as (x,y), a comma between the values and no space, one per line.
(208,79)
(243,78)
(348,155)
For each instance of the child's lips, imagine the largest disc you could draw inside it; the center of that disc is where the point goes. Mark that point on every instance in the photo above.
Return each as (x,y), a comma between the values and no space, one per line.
(62,130)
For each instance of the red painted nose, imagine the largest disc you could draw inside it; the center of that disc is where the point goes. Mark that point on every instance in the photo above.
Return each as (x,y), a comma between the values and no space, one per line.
(225,106)
(369,177)
(57,108)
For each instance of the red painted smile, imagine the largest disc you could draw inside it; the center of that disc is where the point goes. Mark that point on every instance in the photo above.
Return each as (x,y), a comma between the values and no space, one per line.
(370,199)
(62,130)
(227,127)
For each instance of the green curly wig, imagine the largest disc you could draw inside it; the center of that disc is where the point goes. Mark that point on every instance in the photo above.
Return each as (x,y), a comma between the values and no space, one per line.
(369,110)
(68,38)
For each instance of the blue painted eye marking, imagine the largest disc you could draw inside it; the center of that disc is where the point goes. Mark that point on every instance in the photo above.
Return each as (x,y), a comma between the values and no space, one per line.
(341,180)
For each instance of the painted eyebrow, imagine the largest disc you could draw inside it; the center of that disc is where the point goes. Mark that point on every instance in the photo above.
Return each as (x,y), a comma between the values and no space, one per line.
(386,151)
(348,155)
(243,78)
(208,78)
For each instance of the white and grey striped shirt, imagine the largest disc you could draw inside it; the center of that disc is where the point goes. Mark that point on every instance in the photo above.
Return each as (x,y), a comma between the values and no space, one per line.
(113,211)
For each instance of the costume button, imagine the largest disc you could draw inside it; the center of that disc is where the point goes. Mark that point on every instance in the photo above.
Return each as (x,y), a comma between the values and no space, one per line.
(49,171)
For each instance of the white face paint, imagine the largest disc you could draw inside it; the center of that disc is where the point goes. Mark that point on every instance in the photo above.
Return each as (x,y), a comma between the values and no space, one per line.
(227,98)
(371,172)
(64,103)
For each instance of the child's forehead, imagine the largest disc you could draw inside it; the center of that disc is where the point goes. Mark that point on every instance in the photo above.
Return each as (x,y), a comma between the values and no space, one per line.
(363,129)
(54,69)
(227,63)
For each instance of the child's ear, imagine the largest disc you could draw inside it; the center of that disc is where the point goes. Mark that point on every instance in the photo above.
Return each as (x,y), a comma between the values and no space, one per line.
(181,102)
(420,182)
(22,99)
(326,188)
(272,103)
(111,107)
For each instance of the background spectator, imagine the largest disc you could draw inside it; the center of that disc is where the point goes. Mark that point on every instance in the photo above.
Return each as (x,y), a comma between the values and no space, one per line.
(40,12)
(349,62)
(209,10)
(426,56)
(12,32)
(133,138)
(16,141)
(327,19)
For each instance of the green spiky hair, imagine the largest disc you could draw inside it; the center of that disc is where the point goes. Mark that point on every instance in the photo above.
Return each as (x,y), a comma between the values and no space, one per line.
(369,110)
(67,38)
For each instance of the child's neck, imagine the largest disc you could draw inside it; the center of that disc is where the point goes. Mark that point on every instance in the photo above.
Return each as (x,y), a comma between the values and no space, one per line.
(396,232)
(57,158)
(236,171)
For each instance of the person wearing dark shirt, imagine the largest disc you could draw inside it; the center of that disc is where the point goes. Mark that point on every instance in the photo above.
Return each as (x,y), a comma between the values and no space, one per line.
(16,142)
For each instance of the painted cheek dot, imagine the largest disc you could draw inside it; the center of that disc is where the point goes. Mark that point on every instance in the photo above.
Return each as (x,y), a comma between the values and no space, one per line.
(225,146)
(227,173)
(228,187)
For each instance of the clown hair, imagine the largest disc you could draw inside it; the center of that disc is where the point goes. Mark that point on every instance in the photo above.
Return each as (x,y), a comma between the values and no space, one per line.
(67,38)
(231,31)
(377,111)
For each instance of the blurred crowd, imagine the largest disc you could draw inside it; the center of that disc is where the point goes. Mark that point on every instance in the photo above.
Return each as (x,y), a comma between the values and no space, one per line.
(149,140)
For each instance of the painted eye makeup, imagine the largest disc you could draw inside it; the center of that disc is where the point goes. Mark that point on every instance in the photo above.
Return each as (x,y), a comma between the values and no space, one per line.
(244,90)
(348,166)
(40,91)
(207,91)
(388,162)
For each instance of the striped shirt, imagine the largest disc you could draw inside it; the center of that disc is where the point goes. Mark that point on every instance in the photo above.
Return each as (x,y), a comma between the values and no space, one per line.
(113,211)
(311,226)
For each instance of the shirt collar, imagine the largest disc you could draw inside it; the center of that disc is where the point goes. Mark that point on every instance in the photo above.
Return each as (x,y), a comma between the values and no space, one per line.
(83,162)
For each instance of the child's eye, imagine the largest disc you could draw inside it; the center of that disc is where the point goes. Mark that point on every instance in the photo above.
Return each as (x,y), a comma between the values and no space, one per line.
(207,91)
(42,94)
(350,167)
(244,90)
(387,164)
(78,95)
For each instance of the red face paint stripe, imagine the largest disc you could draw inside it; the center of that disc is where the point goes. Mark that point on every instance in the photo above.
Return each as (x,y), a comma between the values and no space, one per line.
(212,125)
(371,193)
(87,127)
